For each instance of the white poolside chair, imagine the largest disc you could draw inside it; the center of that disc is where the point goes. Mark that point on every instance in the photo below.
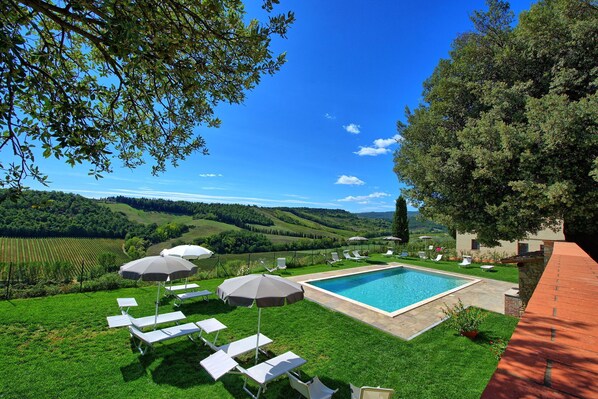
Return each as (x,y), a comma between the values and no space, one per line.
(390,252)
(146,340)
(466,262)
(422,255)
(348,256)
(147,321)
(181,297)
(313,389)
(335,258)
(281,264)
(241,346)
(358,255)
(370,392)
(219,364)
(438,258)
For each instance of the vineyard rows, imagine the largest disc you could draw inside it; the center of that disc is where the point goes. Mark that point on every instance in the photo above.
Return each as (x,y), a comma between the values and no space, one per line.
(65,249)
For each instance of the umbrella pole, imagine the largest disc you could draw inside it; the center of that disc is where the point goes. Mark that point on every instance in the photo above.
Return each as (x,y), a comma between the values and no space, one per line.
(157,304)
(257,344)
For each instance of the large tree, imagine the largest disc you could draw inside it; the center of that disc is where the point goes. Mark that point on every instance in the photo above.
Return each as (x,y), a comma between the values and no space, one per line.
(94,80)
(506,142)
(400,221)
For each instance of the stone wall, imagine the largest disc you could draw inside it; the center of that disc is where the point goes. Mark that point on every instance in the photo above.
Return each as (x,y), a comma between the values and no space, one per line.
(529,275)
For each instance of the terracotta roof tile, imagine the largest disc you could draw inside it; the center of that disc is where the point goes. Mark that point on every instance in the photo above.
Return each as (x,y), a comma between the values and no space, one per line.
(553,352)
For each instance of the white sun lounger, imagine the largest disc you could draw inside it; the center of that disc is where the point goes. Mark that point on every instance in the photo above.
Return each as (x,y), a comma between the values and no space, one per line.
(219,364)
(147,321)
(241,346)
(358,255)
(179,298)
(334,257)
(171,289)
(145,340)
(125,320)
(349,257)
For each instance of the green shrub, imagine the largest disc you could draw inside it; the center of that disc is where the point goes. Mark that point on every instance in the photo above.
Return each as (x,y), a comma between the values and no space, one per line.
(463,319)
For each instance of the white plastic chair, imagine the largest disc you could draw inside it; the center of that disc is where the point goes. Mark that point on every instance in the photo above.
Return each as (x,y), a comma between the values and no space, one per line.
(313,389)
(438,257)
(335,258)
(466,262)
(390,252)
(281,264)
(370,392)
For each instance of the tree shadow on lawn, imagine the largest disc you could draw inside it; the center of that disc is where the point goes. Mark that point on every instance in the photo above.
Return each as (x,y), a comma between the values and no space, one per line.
(178,364)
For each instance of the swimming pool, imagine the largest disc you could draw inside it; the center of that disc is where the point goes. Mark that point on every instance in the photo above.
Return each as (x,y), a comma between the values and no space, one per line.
(393,290)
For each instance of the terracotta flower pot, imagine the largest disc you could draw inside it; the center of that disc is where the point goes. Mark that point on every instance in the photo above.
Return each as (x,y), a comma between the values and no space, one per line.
(470,334)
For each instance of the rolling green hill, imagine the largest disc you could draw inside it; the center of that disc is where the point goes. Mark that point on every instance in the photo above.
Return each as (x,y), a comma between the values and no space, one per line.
(417,223)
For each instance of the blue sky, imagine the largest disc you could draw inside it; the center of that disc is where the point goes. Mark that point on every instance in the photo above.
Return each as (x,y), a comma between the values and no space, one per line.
(322,131)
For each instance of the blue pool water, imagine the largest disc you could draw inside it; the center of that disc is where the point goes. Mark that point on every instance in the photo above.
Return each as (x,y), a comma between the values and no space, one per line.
(390,289)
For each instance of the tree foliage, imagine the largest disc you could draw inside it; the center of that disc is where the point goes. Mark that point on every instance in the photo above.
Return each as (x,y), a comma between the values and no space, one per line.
(506,142)
(400,222)
(56,214)
(90,81)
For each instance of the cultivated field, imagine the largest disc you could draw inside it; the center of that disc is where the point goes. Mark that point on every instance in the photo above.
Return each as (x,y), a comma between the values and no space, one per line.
(63,249)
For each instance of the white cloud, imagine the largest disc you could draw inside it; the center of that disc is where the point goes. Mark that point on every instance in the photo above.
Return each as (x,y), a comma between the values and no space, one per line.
(371,151)
(329,116)
(352,128)
(210,175)
(195,197)
(363,199)
(380,146)
(350,180)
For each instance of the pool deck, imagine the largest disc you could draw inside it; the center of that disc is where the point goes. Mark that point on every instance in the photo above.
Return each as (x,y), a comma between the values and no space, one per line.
(486,294)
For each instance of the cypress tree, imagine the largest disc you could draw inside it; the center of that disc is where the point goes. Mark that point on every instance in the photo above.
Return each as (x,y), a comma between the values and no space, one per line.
(400,222)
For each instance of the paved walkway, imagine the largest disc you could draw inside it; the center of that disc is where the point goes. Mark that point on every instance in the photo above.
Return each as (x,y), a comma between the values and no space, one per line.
(487,294)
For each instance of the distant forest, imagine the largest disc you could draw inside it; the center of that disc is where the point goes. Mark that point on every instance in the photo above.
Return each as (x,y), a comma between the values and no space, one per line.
(57,214)
(238,215)
(417,223)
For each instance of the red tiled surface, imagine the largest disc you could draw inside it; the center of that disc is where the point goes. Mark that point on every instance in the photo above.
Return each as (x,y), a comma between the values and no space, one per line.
(553,352)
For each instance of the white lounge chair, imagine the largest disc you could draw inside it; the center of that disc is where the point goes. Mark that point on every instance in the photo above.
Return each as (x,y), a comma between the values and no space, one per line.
(466,262)
(422,255)
(219,364)
(313,389)
(358,255)
(281,264)
(181,297)
(241,346)
(390,252)
(348,256)
(438,257)
(335,258)
(370,392)
(147,321)
(145,340)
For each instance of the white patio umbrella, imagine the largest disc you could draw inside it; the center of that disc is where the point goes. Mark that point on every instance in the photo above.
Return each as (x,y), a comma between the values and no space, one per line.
(393,239)
(157,268)
(188,252)
(425,237)
(265,290)
(354,239)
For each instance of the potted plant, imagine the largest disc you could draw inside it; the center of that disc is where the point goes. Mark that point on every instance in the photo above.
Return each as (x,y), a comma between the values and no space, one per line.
(466,321)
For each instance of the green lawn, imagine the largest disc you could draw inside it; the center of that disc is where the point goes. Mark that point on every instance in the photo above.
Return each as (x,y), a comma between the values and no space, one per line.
(508,273)
(61,347)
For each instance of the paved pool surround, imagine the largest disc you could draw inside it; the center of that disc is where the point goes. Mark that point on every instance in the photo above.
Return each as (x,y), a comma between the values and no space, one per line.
(486,294)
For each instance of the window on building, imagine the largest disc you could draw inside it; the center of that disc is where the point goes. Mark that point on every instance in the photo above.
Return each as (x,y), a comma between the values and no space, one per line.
(522,248)
(475,244)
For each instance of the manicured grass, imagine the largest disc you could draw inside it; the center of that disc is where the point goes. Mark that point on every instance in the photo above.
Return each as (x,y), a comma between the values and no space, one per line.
(61,347)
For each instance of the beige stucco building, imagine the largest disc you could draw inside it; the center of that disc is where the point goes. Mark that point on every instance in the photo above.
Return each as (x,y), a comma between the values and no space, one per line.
(468,244)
